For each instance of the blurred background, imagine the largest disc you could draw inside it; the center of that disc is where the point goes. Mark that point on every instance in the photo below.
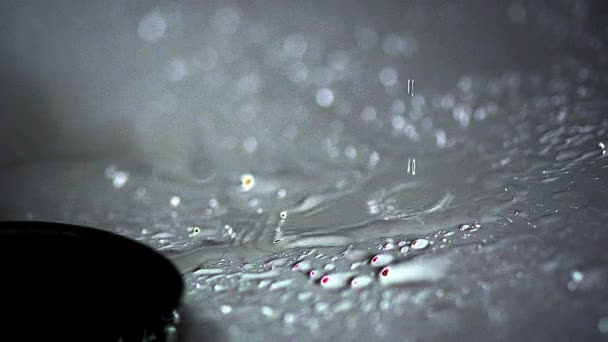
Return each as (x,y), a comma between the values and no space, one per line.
(146,118)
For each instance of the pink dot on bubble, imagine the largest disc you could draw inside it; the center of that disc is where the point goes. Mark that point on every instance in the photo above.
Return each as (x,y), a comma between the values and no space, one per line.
(384,272)
(325,280)
(375,259)
(312,273)
(296,266)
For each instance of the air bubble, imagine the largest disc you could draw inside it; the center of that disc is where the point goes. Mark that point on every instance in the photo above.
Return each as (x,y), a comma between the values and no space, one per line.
(283,215)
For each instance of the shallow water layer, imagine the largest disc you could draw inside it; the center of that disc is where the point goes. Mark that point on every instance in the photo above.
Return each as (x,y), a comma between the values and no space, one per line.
(313,189)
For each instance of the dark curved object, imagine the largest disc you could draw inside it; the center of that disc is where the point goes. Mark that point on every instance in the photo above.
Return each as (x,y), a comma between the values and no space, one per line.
(64,282)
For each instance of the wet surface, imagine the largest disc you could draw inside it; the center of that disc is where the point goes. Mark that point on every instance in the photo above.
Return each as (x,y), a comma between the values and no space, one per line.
(284,167)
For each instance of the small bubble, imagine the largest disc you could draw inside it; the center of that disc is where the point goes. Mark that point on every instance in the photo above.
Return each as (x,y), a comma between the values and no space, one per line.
(404,249)
(283,215)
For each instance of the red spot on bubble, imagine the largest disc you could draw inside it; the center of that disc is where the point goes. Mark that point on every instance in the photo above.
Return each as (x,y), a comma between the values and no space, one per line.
(355,282)
(325,280)
(375,259)
(312,273)
(296,266)
(384,272)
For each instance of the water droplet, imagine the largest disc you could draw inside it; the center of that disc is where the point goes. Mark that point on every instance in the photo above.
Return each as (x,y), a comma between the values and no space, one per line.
(175,201)
(361,281)
(120,178)
(281,193)
(267,311)
(336,280)
(303,266)
(324,97)
(464,227)
(280,284)
(152,27)
(420,244)
(388,77)
(380,260)
(194,231)
(413,271)
(314,274)
(226,309)
(247,182)
(388,246)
